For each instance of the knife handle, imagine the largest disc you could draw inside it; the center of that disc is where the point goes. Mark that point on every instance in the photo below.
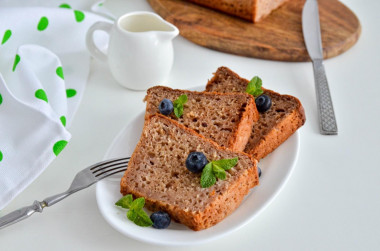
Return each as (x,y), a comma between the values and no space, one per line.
(21,214)
(327,121)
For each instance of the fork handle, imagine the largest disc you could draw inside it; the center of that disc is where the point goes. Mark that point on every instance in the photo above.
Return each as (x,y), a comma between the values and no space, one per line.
(56,198)
(21,214)
(26,212)
(49,201)
(327,121)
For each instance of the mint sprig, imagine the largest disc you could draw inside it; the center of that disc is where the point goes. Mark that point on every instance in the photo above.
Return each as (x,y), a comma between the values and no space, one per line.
(135,212)
(139,217)
(254,87)
(216,169)
(208,177)
(178,105)
(226,164)
(125,202)
(219,172)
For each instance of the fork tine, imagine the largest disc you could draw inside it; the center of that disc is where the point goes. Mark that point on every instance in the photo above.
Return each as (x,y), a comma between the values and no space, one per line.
(107,163)
(108,168)
(109,174)
(110,161)
(114,168)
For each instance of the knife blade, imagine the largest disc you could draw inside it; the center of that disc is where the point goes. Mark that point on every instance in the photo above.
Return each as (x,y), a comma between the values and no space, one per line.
(312,36)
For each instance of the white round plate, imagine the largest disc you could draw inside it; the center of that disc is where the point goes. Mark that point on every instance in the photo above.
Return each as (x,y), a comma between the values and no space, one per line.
(276,170)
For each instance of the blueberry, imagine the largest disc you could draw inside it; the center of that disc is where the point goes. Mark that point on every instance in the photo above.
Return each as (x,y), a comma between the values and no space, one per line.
(166,107)
(263,103)
(196,161)
(259,171)
(160,219)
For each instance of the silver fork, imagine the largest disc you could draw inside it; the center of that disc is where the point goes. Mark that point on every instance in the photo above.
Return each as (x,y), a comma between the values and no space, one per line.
(82,180)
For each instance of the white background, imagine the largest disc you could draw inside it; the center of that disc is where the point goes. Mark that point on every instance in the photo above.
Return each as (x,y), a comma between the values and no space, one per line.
(331,202)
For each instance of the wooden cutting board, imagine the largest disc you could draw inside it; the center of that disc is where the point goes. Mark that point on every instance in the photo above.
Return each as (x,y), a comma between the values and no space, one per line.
(277,37)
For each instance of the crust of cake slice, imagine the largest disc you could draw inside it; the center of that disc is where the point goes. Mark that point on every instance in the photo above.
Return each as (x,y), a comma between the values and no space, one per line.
(281,130)
(252,10)
(274,126)
(262,8)
(167,185)
(211,114)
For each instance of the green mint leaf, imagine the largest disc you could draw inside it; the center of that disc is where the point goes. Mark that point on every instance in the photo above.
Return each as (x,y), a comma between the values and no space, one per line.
(132,215)
(125,202)
(178,111)
(142,219)
(178,105)
(254,87)
(208,178)
(135,212)
(181,100)
(137,204)
(226,164)
(219,172)
(139,217)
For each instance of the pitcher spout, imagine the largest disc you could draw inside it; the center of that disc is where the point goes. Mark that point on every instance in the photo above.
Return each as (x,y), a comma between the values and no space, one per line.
(169,33)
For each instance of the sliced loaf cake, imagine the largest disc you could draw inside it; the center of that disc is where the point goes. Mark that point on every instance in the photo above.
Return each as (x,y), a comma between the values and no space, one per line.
(157,172)
(274,126)
(226,119)
(252,10)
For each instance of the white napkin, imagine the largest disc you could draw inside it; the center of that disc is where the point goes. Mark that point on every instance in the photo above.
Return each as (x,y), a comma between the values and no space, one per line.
(44,66)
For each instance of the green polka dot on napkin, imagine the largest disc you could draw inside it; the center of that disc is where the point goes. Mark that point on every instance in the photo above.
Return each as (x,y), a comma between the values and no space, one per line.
(7,35)
(63,120)
(65,5)
(15,63)
(79,15)
(59,72)
(59,146)
(71,93)
(41,94)
(43,24)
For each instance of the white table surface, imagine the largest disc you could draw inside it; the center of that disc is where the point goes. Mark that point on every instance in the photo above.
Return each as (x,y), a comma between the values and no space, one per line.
(331,202)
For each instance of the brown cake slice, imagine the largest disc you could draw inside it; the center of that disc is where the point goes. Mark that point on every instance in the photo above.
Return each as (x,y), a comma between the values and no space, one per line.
(157,172)
(275,125)
(226,119)
(252,10)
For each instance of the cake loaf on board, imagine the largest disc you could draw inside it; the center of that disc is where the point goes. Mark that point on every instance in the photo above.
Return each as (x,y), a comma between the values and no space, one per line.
(252,10)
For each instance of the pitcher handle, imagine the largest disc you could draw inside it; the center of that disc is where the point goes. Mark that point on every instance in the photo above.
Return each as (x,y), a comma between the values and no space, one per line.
(91,46)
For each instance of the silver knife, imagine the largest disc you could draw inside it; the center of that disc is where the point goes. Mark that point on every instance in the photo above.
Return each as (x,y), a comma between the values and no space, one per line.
(312,36)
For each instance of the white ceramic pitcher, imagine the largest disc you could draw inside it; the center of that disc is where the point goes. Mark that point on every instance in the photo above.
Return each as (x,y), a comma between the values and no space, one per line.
(140,51)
